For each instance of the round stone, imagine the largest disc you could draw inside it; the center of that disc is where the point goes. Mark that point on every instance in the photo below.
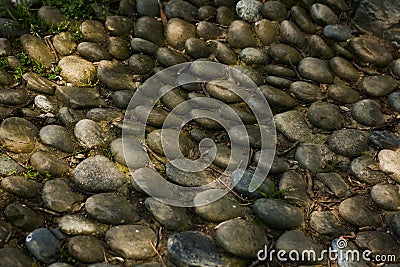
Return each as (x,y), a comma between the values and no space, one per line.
(18,135)
(389,163)
(274,10)
(284,54)
(317,47)
(302,19)
(296,240)
(115,75)
(148,8)
(386,196)
(58,137)
(93,31)
(225,15)
(343,94)
(149,29)
(118,47)
(143,46)
(316,70)
(64,43)
(325,115)
(89,134)
(119,25)
(337,32)
(348,142)
(378,85)
(77,70)
(267,31)
(360,170)
(326,223)
(291,34)
(306,92)
(278,98)
(168,135)
(367,112)
(57,195)
(240,35)
(344,69)
(323,15)
(77,224)
(309,157)
(394,101)
(177,31)
(363,217)
(253,56)
(293,125)
(21,187)
(168,57)
(93,51)
(141,64)
(370,51)
(184,178)
(129,152)
(197,48)
(86,249)
(181,9)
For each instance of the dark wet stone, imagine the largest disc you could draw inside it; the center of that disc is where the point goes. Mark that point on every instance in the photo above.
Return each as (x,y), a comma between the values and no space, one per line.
(98,174)
(11,29)
(78,97)
(93,51)
(344,69)
(360,170)
(378,85)
(278,98)
(280,71)
(291,34)
(309,157)
(224,208)
(119,25)
(51,15)
(43,244)
(343,94)
(188,178)
(323,15)
(302,19)
(148,8)
(267,31)
(21,187)
(13,97)
(111,209)
(317,47)
(23,217)
(114,75)
(193,248)
(370,51)
(395,223)
(118,47)
(177,31)
(143,46)
(274,10)
(64,43)
(316,70)
(180,9)
(206,12)
(13,256)
(46,163)
(284,54)
(57,195)
(5,47)
(6,79)
(78,224)
(240,35)
(86,249)
(337,32)
(384,139)
(277,214)
(122,98)
(306,92)
(225,15)
(348,142)
(325,115)
(242,178)
(335,183)
(132,241)
(141,64)
(367,112)
(386,196)
(379,243)
(293,125)
(172,218)
(149,29)
(208,31)
(168,57)
(18,135)
(295,186)
(394,101)
(232,234)
(278,165)
(223,53)
(197,48)
(249,10)
(326,223)
(363,217)
(93,31)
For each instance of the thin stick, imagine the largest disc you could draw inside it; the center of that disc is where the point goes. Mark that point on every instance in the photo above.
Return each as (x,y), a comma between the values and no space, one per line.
(158,254)
(309,184)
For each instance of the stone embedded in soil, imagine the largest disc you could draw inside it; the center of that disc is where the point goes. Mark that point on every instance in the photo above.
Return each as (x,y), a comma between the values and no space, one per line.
(249,10)
(77,70)
(386,196)
(37,49)
(337,32)
(291,34)
(306,92)
(111,209)
(294,184)
(58,137)
(177,31)
(14,257)
(118,25)
(8,165)
(132,241)
(343,94)
(348,142)
(23,217)
(77,224)
(223,52)
(98,174)
(367,112)
(378,85)
(267,31)
(317,47)
(149,29)
(362,169)
(316,70)
(114,75)
(197,48)
(363,217)
(293,125)
(344,69)
(143,46)
(385,139)
(274,10)
(18,135)
(78,97)
(309,157)
(118,47)
(93,51)
(57,195)
(372,51)
(278,98)
(326,223)
(159,140)
(6,79)
(64,43)
(191,179)
(11,29)
(323,15)
(335,183)
(51,15)
(13,97)
(141,64)
(378,242)
(86,249)
(93,31)
(278,214)
(394,101)
(302,19)
(43,244)
(232,234)
(389,163)
(89,133)
(284,54)
(325,115)
(129,152)
(240,35)
(168,57)
(21,187)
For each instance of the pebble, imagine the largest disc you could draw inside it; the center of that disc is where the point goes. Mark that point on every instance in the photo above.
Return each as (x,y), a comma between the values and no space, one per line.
(43,244)
(6,79)
(325,115)
(291,34)
(93,51)
(64,43)
(18,135)
(208,31)
(141,64)
(168,57)
(278,214)
(23,217)
(302,19)
(148,8)
(77,70)
(143,46)
(389,163)
(93,31)
(223,53)
(232,234)
(278,166)
(98,174)
(111,209)
(5,47)
(78,97)
(38,84)
(384,139)
(114,75)
(193,248)
(240,35)
(306,92)
(317,47)
(267,31)
(278,98)
(206,12)
(363,217)
(58,137)
(131,241)
(249,10)
(335,183)
(13,97)
(51,15)
(119,25)
(104,115)
(241,179)
(395,223)
(89,134)
(122,98)
(190,179)
(274,10)
(136,158)
(394,101)
(378,242)
(197,48)
(309,157)
(368,50)
(326,223)
(293,125)
(86,249)
(348,142)
(77,224)
(367,112)
(37,49)
(337,32)
(220,210)
(181,9)
(168,135)
(378,85)
(360,170)
(344,69)
(142,30)
(343,94)
(316,70)
(13,256)
(293,183)
(386,196)
(284,54)
(21,187)
(177,31)
(57,195)
(8,165)
(323,15)
(44,104)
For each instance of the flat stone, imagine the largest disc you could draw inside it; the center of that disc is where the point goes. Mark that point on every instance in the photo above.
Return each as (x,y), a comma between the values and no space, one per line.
(389,163)
(384,139)
(294,185)
(306,92)
(232,234)
(37,49)
(363,217)
(93,51)
(309,157)
(43,244)
(326,223)
(132,241)
(293,125)
(277,214)
(77,70)
(58,137)
(64,43)
(14,257)
(240,35)
(57,195)
(149,29)
(190,179)
(172,218)
(323,15)
(79,97)
(168,57)
(278,98)
(367,112)
(343,94)
(378,242)
(386,196)
(325,115)
(241,179)
(86,249)
(368,50)
(98,174)
(104,115)
(344,69)
(18,135)
(23,217)
(267,31)
(8,165)
(21,187)
(122,98)
(348,142)
(360,168)
(77,224)
(335,183)
(111,209)
(378,85)
(129,152)
(114,75)
(141,64)
(93,31)
(14,97)
(316,70)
